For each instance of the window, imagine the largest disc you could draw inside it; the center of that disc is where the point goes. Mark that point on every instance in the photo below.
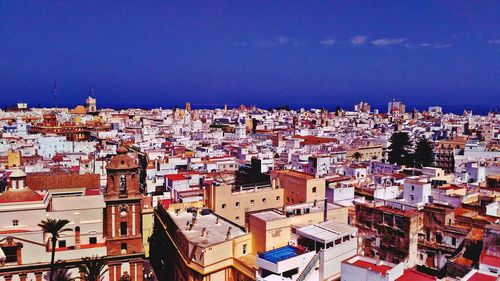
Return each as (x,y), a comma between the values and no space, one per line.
(62,243)
(123,247)
(237,219)
(264,200)
(314,189)
(244,249)
(412,188)
(123,228)
(277,198)
(10,254)
(123,185)
(92,240)
(345,238)
(15,222)
(412,197)
(223,206)
(252,202)
(453,241)
(439,238)
(237,204)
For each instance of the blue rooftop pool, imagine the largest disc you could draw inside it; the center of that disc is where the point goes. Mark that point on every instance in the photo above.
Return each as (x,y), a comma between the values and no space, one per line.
(280,254)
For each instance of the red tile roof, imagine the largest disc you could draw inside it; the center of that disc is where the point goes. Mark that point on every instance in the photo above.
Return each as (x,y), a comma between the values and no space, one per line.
(490,260)
(166,202)
(373,267)
(92,191)
(482,277)
(175,177)
(20,195)
(315,140)
(413,275)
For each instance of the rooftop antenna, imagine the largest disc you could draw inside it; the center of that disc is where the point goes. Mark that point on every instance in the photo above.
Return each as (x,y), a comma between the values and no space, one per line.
(55,94)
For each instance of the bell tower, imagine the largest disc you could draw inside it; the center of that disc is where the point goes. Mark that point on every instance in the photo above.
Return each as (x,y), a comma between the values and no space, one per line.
(122,216)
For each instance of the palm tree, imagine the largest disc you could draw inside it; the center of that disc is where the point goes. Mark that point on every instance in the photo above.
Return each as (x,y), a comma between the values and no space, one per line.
(93,268)
(55,227)
(60,274)
(356,155)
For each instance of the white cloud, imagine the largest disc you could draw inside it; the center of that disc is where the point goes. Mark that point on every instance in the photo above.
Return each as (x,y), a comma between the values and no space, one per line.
(495,41)
(441,46)
(429,45)
(359,40)
(387,41)
(327,42)
(280,41)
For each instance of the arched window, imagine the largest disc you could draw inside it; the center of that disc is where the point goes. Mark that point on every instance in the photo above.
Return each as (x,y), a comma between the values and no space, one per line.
(123,185)
(124,248)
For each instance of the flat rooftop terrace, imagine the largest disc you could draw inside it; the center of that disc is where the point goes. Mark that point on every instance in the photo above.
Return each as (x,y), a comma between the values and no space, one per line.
(277,214)
(326,231)
(215,228)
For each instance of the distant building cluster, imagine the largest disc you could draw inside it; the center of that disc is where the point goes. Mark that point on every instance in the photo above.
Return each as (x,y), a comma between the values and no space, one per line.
(250,194)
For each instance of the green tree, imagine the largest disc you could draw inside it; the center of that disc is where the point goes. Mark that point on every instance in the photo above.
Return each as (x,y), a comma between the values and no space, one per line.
(356,155)
(399,149)
(55,228)
(424,153)
(93,268)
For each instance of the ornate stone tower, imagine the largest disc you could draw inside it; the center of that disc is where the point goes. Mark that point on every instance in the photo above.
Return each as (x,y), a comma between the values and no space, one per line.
(123,216)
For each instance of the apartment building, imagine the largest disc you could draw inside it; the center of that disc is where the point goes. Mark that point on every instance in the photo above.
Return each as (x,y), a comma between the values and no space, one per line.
(235,202)
(440,238)
(388,233)
(273,228)
(299,187)
(444,152)
(188,245)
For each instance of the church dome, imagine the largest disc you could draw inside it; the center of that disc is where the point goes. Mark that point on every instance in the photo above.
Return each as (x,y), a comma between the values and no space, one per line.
(20,195)
(17,173)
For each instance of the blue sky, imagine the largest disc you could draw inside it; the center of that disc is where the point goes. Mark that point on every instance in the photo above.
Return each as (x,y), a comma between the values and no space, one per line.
(254,52)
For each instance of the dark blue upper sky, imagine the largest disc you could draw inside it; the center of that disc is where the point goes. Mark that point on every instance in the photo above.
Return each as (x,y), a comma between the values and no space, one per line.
(263,52)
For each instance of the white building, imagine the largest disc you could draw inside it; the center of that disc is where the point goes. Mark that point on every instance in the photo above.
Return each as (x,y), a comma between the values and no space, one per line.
(22,242)
(417,191)
(337,241)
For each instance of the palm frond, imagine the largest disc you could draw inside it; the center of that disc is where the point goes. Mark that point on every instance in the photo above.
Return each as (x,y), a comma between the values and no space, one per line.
(94,268)
(54,226)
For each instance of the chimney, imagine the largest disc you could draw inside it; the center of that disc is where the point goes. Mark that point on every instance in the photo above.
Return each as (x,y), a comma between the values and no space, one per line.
(77,238)
(229,235)
(325,211)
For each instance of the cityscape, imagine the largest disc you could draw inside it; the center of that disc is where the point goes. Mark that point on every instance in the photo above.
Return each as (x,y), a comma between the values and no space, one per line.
(249,141)
(249,194)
